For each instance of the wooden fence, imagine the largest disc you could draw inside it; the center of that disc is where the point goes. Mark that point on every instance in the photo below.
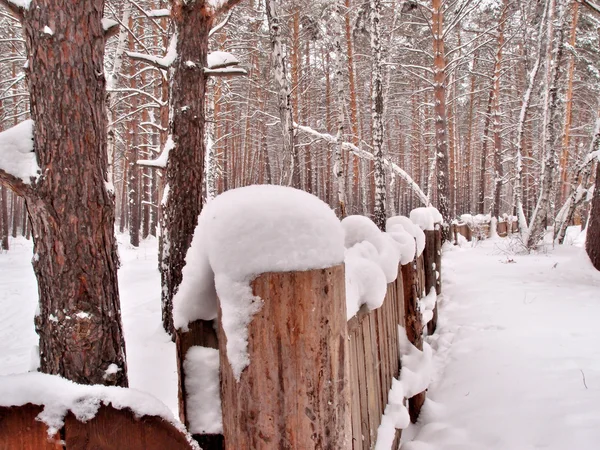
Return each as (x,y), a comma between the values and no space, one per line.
(315,380)
(482,230)
(109,429)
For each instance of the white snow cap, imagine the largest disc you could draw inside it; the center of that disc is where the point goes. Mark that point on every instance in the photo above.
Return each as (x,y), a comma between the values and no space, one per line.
(218,59)
(59,396)
(16,152)
(372,260)
(398,224)
(245,232)
(426,218)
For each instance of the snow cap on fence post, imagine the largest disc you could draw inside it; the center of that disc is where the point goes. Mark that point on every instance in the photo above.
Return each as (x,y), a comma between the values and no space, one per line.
(245,232)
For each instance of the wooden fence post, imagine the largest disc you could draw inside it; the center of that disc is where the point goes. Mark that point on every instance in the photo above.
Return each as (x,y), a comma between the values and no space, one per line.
(295,392)
(201,333)
(413,323)
(429,264)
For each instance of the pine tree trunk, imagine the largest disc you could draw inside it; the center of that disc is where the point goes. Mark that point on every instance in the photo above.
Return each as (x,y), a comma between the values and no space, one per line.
(592,243)
(71,211)
(3,219)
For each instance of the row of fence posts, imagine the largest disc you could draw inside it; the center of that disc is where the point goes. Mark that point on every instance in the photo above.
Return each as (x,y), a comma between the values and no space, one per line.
(297,391)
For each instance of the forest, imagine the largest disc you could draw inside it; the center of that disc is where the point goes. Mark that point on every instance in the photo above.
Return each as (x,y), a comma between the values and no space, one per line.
(123,120)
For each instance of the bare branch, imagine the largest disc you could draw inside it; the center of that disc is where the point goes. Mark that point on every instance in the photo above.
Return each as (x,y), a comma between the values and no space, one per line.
(226,72)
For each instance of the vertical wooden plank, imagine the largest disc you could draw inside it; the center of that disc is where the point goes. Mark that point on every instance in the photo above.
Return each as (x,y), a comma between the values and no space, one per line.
(114,428)
(363,395)
(295,391)
(355,384)
(19,429)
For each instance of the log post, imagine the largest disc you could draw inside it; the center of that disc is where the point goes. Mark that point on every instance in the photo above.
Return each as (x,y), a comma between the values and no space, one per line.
(413,324)
(429,265)
(295,393)
(201,333)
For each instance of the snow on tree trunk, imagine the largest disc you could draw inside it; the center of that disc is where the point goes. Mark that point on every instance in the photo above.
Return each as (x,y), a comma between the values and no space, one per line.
(441,124)
(379,213)
(291,173)
(70,207)
(551,126)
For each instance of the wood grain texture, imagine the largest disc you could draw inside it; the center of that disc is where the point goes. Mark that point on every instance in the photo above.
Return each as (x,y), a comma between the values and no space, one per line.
(19,429)
(295,392)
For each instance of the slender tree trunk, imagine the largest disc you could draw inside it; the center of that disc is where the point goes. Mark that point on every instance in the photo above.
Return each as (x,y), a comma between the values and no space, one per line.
(291,173)
(4,232)
(564,160)
(498,168)
(519,181)
(379,213)
(550,130)
(441,124)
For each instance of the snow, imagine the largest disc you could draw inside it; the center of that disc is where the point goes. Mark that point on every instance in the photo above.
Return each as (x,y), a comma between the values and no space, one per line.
(21,3)
(241,234)
(107,24)
(163,158)
(398,224)
(203,406)
(60,396)
(150,352)
(164,62)
(219,59)
(426,217)
(427,305)
(372,260)
(16,152)
(48,31)
(516,364)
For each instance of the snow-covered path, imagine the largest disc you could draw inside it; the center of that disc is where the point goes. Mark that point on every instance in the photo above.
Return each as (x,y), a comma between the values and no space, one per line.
(517,353)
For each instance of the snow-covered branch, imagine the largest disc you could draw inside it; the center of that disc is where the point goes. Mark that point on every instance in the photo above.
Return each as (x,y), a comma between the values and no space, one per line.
(161,161)
(348,146)
(162,63)
(220,25)
(226,72)
(111,27)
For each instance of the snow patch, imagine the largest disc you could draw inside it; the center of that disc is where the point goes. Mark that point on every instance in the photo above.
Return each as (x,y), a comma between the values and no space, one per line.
(203,408)
(16,152)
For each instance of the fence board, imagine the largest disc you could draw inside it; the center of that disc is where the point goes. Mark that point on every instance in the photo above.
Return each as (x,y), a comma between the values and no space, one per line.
(20,430)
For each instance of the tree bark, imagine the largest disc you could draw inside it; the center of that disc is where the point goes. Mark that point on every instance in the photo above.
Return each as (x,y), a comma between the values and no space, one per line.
(439,111)
(592,243)
(71,211)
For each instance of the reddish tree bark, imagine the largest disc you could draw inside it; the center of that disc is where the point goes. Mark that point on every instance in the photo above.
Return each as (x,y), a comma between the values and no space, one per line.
(71,211)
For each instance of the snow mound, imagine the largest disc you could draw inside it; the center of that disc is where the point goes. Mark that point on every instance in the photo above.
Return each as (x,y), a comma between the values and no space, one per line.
(58,396)
(16,152)
(241,234)
(426,218)
(398,224)
(371,259)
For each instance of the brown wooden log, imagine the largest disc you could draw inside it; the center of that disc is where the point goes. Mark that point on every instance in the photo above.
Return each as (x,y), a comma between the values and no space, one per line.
(429,265)
(295,392)
(20,430)
(201,333)
(414,324)
(119,428)
(502,229)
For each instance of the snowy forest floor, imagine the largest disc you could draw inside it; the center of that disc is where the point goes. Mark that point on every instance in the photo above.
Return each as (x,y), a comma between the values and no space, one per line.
(516,354)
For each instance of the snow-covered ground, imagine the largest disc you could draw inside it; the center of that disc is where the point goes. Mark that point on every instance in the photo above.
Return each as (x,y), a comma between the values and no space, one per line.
(517,353)
(150,352)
